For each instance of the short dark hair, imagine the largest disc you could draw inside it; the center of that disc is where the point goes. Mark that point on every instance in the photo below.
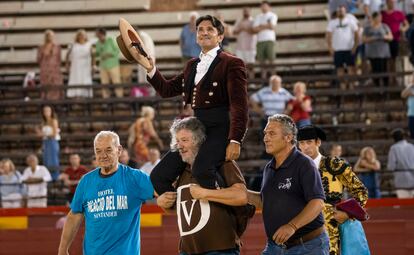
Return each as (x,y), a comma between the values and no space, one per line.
(265,2)
(214,21)
(101,30)
(397,134)
(375,14)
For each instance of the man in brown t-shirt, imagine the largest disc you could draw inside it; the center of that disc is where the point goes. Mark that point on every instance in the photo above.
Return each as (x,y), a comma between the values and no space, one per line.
(205,219)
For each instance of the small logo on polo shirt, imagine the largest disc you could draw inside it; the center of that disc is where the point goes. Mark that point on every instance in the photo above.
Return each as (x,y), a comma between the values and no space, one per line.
(285,185)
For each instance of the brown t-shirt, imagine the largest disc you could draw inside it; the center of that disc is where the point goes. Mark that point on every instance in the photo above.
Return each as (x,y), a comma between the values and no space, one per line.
(206,226)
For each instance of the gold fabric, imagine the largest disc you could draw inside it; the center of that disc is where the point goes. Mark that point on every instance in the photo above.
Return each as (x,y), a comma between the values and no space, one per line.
(336,175)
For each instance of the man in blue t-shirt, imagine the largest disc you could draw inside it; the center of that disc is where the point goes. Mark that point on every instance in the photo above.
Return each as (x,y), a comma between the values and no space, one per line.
(291,196)
(109,198)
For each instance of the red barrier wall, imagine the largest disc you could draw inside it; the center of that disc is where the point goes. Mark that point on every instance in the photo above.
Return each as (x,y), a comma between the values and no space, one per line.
(389,231)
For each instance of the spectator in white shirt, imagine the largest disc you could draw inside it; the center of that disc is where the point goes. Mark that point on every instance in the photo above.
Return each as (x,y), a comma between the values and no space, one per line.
(154,158)
(264,25)
(36,177)
(342,39)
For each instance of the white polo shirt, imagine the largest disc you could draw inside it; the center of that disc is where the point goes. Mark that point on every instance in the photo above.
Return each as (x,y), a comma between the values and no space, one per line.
(263,19)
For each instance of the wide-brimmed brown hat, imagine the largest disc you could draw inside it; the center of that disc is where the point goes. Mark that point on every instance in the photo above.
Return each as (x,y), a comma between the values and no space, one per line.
(131,45)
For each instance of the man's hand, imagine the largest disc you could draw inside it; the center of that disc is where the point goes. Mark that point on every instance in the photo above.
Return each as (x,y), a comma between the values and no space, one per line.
(167,199)
(63,252)
(331,51)
(151,65)
(283,234)
(197,191)
(340,216)
(232,151)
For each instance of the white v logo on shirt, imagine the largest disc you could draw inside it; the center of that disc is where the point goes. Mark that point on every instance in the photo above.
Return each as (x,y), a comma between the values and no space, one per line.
(187,215)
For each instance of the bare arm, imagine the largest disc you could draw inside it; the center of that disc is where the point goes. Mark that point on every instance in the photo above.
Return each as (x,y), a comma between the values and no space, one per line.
(407,92)
(358,167)
(366,10)
(73,221)
(329,42)
(306,105)
(166,201)
(356,40)
(405,26)
(388,36)
(367,39)
(33,180)
(310,212)
(55,128)
(255,198)
(148,126)
(235,195)
(289,108)
(256,107)
(370,165)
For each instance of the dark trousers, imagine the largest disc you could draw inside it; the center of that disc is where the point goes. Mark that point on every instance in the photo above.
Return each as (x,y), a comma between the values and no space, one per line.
(411,126)
(379,65)
(210,157)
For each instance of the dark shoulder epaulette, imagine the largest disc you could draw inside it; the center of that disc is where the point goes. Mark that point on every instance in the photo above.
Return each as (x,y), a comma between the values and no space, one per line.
(335,166)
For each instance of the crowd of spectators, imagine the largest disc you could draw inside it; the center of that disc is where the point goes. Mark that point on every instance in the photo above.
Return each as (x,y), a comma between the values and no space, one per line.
(375,39)
(383,27)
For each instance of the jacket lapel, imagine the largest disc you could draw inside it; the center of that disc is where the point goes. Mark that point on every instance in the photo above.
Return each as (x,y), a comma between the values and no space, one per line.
(206,81)
(189,83)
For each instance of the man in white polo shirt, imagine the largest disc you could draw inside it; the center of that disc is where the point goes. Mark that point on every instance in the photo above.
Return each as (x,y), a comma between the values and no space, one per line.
(264,25)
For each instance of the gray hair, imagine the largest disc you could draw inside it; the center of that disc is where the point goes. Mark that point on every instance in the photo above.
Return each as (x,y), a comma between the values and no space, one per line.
(113,135)
(288,125)
(275,77)
(191,124)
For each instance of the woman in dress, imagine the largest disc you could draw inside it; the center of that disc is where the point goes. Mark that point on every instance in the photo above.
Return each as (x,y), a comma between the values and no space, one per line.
(79,63)
(49,60)
(50,133)
(144,132)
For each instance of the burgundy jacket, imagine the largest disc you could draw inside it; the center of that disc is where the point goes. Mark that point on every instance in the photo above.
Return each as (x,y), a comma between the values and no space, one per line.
(225,84)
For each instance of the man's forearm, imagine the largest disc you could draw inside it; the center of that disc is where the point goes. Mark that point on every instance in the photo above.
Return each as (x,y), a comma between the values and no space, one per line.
(255,198)
(309,213)
(33,180)
(235,195)
(70,229)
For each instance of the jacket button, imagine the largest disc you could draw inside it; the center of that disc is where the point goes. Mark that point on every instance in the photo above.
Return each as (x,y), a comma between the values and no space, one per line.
(210,93)
(215,84)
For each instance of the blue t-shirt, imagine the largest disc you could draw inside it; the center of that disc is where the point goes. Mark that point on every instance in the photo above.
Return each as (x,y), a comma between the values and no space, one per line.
(111,206)
(410,104)
(287,190)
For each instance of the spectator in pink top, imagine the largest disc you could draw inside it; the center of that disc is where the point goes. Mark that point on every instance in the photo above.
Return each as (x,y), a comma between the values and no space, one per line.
(246,39)
(398,23)
(300,107)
